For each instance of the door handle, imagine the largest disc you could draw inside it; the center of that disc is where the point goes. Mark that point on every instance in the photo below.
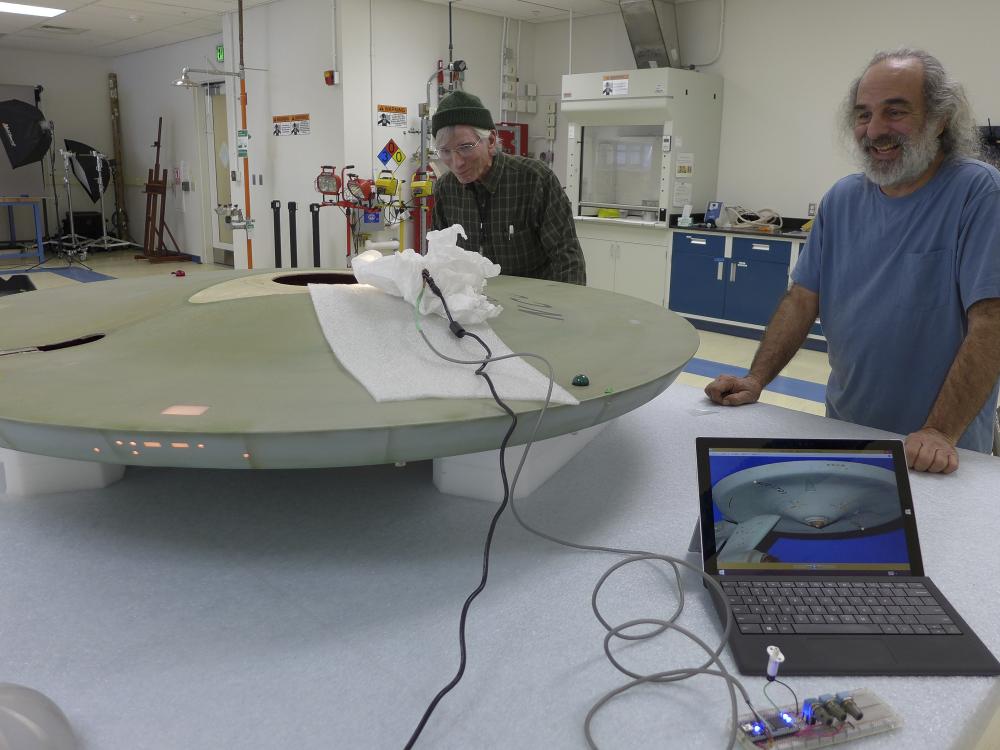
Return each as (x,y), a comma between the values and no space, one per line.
(718,275)
(760,246)
(697,241)
(732,273)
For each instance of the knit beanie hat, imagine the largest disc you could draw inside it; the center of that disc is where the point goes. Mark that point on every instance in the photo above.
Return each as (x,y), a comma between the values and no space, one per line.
(460,108)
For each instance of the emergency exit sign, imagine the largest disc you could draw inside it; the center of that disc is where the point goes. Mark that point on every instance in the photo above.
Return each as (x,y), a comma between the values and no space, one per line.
(220,53)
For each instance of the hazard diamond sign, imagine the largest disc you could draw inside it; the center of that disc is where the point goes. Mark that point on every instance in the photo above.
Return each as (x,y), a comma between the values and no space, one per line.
(388,152)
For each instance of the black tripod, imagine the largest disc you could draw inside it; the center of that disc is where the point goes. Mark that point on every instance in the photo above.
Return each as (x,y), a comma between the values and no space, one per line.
(72,247)
(49,238)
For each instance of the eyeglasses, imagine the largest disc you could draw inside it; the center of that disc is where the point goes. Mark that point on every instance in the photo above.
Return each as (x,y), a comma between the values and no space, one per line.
(464,150)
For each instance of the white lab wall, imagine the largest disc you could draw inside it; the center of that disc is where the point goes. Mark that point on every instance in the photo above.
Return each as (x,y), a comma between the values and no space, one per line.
(698,31)
(598,43)
(521,39)
(75,98)
(389,50)
(786,66)
(145,94)
(287,47)
(384,50)
(257,58)
(788,63)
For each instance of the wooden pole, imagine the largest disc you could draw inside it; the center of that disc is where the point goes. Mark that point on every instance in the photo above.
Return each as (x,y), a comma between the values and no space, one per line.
(118,174)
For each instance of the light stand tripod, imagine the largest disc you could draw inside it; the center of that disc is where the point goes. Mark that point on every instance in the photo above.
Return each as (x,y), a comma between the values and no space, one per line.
(77,242)
(105,241)
(72,246)
(50,239)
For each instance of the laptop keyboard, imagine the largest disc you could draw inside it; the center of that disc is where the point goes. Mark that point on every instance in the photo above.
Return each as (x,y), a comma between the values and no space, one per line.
(820,607)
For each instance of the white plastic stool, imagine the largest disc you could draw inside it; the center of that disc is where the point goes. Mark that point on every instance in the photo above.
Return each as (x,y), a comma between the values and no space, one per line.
(477,475)
(30,474)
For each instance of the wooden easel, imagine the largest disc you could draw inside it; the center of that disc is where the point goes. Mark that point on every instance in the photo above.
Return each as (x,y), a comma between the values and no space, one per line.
(154,247)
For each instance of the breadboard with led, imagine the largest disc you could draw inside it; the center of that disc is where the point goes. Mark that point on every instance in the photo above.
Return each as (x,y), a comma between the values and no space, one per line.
(797,728)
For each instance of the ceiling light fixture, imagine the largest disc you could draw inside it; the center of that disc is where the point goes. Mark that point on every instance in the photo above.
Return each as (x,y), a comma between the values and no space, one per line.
(30,10)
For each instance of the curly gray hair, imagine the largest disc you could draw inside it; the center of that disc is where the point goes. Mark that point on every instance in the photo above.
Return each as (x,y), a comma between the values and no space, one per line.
(944,100)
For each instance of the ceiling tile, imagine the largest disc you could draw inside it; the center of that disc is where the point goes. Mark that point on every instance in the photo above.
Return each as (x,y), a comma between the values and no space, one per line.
(10,22)
(535,10)
(116,20)
(142,7)
(108,30)
(144,42)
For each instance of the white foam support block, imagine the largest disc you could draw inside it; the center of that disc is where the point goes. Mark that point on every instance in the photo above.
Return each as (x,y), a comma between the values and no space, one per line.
(29,474)
(477,475)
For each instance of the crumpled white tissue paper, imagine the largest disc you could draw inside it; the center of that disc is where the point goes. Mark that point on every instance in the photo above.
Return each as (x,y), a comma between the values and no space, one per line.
(460,275)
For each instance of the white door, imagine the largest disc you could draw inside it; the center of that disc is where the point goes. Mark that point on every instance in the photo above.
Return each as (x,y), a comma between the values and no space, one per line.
(217,133)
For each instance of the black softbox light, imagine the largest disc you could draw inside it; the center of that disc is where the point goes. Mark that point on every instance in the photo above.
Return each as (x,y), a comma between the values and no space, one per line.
(85,169)
(24,131)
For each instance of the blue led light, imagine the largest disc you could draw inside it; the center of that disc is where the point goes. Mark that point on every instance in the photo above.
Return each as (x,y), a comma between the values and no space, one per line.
(757,729)
(807,708)
(788,719)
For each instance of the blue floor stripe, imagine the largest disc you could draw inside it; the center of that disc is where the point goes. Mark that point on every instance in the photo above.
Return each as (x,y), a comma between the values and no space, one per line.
(70,272)
(788,386)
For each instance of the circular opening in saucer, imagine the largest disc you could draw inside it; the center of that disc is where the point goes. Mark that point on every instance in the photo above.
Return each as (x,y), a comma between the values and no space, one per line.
(301,279)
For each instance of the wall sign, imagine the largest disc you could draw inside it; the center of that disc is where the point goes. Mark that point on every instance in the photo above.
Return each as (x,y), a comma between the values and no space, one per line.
(391,116)
(291,124)
(685,165)
(391,152)
(616,85)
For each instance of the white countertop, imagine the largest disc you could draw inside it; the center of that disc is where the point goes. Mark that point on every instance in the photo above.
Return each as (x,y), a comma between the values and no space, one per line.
(186,608)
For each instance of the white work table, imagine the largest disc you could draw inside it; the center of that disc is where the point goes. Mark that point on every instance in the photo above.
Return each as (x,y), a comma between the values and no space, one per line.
(195,608)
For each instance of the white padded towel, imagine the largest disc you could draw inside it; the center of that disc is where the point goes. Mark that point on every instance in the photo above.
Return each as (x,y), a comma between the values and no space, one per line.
(374,336)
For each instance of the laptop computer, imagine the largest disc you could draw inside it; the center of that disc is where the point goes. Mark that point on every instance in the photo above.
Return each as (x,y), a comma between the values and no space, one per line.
(814,543)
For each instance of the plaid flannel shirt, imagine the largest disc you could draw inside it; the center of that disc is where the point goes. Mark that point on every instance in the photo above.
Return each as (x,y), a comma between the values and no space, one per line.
(518,216)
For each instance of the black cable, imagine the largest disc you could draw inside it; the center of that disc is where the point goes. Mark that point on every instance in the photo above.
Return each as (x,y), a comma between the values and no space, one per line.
(787,687)
(493,523)
(732,683)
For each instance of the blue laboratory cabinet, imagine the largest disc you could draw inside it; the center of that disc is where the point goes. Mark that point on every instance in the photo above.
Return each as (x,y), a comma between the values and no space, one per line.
(743,286)
(697,274)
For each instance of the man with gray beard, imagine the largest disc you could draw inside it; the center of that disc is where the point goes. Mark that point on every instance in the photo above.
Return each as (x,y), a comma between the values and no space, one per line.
(903,268)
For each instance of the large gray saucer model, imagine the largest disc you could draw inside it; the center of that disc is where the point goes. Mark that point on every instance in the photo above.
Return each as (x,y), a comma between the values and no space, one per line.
(231,370)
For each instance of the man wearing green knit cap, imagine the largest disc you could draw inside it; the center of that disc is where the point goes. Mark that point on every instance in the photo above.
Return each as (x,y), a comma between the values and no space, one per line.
(512,208)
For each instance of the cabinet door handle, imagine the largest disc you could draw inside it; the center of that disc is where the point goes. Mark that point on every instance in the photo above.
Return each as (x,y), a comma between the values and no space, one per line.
(732,273)
(759,246)
(718,275)
(697,241)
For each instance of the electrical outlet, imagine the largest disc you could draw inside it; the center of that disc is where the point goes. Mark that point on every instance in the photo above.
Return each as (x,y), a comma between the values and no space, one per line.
(812,210)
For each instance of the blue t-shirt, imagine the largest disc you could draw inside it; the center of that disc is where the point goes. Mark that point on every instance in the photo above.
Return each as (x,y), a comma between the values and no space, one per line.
(895,278)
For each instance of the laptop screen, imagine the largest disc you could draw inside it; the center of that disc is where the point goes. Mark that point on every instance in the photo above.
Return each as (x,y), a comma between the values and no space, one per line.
(806,508)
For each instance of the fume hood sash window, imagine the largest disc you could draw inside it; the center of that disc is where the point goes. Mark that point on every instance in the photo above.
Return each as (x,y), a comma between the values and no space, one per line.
(620,168)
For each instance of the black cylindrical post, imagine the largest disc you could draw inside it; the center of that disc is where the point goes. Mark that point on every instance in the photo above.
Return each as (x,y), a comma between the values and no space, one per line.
(293,250)
(314,210)
(276,210)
